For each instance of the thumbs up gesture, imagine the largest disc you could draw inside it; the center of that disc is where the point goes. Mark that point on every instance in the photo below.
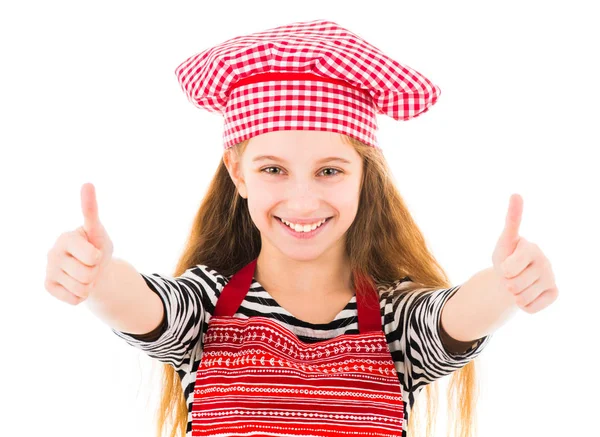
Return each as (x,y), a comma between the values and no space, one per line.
(79,257)
(523,268)
(92,230)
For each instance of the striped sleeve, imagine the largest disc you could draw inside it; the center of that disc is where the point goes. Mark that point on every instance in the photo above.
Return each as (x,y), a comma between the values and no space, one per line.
(416,329)
(183,299)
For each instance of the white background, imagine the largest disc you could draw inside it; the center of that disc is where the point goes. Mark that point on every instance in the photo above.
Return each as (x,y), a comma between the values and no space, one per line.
(88,94)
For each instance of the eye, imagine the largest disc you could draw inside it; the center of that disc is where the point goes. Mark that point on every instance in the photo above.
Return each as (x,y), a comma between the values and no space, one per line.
(334,169)
(266,168)
(328,168)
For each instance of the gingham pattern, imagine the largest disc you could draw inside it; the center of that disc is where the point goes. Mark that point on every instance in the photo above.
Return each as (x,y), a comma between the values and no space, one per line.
(330,55)
(284,104)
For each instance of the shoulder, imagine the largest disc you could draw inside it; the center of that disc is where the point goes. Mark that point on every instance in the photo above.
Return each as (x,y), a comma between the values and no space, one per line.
(206,275)
(402,292)
(394,288)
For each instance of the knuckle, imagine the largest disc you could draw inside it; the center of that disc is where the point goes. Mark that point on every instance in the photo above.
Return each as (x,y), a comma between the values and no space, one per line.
(63,294)
(79,289)
(73,239)
(56,291)
(85,291)
(87,275)
(70,296)
(74,301)
(78,270)
(546,262)
(64,237)
(522,257)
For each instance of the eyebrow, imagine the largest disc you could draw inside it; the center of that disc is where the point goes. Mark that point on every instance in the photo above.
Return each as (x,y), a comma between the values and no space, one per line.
(275,158)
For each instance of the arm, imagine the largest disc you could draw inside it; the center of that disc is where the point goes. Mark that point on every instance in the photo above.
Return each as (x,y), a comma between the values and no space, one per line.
(478,308)
(452,345)
(186,300)
(123,300)
(415,337)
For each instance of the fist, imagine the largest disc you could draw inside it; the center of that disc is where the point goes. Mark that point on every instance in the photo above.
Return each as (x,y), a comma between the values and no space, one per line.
(524,270)
(79,257)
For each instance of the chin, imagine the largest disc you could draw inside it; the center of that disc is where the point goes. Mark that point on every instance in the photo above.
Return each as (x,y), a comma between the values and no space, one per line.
(304,255)
(309,253)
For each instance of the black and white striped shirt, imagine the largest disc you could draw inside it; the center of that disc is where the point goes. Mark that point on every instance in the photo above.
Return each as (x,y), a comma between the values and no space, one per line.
(410,319)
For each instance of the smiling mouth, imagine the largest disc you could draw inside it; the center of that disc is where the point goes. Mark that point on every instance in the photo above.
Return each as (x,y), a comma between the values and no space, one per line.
(302,224)
(283,223)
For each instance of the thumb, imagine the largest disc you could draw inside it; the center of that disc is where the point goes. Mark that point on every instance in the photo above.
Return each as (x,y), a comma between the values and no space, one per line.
(513,219)
(509,238)
(89,207)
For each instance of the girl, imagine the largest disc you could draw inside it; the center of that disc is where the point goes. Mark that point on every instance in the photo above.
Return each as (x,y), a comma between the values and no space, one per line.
(306,301)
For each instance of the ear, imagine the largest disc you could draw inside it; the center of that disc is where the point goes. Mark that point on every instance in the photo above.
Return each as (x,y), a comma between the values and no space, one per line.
(235,172)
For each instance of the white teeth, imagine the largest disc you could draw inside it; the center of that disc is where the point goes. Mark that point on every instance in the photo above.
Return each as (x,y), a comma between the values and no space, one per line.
(304,228)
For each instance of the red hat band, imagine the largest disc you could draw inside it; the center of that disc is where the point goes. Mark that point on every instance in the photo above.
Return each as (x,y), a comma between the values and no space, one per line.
(297,101)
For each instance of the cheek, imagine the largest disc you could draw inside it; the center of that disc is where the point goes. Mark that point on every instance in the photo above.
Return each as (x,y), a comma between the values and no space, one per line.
(344,199)
(344,205)
(261,207)
(263,193)
(257,212)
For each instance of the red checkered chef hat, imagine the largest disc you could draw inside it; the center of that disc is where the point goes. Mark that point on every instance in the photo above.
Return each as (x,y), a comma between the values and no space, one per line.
(312,75)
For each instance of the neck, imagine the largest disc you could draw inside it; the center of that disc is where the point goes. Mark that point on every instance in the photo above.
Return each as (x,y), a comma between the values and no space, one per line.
(311,278)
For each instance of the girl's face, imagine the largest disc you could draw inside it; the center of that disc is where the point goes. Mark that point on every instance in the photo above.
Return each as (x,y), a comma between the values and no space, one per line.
(300,175)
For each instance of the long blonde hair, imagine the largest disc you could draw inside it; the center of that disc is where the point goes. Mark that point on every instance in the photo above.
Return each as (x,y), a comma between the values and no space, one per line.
(223,237)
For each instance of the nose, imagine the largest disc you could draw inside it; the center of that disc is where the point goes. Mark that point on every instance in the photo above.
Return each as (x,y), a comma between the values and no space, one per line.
(303,198)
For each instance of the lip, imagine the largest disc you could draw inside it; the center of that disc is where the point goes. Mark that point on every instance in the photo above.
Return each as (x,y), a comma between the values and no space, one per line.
(302,235)
(303,221)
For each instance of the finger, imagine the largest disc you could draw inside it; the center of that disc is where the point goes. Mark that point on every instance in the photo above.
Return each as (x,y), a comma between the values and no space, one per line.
(61,293)
(78,271)
(526,278)
(72,285)
(513,218)
(82,250)
(89,207)
(531,293)
(518,261)
(543,300)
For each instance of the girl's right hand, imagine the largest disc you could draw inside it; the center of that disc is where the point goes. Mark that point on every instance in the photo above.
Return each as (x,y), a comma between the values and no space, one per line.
(78,258)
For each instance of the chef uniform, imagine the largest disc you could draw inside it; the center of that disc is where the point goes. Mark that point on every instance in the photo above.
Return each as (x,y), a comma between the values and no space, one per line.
(256,377)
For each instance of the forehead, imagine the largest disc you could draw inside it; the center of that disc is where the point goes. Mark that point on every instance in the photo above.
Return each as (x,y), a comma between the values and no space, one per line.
(297,145)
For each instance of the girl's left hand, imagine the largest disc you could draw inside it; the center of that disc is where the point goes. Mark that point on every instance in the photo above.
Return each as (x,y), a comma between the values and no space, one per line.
(522,267)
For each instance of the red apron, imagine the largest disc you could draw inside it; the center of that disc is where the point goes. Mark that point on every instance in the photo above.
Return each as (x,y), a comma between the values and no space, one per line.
(256,378)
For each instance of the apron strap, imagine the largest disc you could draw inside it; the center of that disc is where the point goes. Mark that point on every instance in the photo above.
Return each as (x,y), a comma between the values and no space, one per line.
(367,304)
(234,292)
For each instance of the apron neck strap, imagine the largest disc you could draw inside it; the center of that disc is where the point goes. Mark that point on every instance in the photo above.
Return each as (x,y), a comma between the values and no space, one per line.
(234,292)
